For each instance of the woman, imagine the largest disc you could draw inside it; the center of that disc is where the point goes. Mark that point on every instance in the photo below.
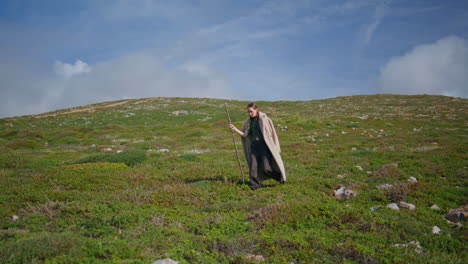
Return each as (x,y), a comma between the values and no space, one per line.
(261,148)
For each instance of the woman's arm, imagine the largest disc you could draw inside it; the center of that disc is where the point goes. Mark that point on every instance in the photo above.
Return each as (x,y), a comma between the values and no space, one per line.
(233,128)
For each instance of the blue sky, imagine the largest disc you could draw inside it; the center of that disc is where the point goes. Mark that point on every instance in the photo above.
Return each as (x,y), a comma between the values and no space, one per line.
(59,54)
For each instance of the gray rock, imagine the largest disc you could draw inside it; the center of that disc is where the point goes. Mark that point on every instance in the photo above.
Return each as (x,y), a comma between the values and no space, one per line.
(436,230)
(384,186)
(375,208)
(413,244)
(435,207)
(456,225)
(166,261)
(181,112)
(393,206)
(413,180)
(457,215)
(255,258)
(343,193)
(15,218)
(107,150)
(163,150)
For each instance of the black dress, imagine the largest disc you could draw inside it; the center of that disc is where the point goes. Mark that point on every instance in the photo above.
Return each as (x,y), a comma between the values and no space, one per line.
(260,157)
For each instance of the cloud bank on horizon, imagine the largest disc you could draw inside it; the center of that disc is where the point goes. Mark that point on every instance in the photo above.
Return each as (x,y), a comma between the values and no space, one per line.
(60,54)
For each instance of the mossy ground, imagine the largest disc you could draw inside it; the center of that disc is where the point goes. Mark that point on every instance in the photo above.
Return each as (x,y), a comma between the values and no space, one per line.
(188,203)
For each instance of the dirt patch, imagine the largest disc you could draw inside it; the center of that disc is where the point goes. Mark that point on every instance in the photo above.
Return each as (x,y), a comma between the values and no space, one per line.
(86,109)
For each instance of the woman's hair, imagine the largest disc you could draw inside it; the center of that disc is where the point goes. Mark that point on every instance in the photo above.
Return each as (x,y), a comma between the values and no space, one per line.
(253,105)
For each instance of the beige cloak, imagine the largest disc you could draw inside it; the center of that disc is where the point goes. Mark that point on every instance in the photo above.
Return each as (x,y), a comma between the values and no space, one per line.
(271,140)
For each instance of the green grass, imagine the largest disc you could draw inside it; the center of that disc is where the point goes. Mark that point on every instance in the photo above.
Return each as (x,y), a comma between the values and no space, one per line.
(77,204)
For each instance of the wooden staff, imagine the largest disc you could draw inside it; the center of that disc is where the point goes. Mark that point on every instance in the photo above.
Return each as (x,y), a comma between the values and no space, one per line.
(235,144)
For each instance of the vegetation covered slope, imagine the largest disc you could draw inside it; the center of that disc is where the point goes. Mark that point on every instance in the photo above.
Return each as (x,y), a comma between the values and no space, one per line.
(134,181)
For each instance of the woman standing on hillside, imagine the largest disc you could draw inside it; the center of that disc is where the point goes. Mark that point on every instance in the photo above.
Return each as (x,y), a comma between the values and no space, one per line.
(261,148)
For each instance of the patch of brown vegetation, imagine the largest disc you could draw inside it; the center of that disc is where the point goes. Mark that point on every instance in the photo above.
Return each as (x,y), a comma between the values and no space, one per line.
(90,109)
(387,171)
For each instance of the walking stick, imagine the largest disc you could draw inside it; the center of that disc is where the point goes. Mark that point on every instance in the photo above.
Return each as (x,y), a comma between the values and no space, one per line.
(235,145)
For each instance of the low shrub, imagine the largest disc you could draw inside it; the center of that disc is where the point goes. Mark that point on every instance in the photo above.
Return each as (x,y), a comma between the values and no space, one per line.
(41,247)
(130,158)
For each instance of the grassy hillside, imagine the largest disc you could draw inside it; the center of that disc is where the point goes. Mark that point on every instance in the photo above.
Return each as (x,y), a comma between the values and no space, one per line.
(135,181)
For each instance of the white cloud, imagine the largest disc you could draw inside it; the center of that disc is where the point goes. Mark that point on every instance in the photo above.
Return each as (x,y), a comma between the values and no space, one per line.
(379,14)
(68,70)
(138,75)
(437,68)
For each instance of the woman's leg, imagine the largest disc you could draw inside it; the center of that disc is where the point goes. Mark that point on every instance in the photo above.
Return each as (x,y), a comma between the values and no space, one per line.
(253,172)
(266,163)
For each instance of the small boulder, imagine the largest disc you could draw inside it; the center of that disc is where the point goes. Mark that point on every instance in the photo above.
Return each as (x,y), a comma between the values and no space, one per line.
(384,186)
(413,180)
(457,215)
(413,244)
(163,150)
(343,193)
(407,206)
(435,207)
(255,258)
(107,150)
(180,112)
(166,261)
(436,230)
(456,225)
(15,218)
(393,206)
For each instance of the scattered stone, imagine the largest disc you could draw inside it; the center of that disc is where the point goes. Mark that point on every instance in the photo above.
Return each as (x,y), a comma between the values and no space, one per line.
(353,149)
(359,167)
(15,218)
(93,145)
(385,186)
(343,132)
(343,193)
(375,208)
(254,258)
(456,225)
(436,230)
(435,207)
(413,180)
(457,215)
(119,151)
(166,261)
(393,206)
(413,244)
(106,150)
(407,206)
(340,176)
(181,112)
(163,150)
(197,151)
